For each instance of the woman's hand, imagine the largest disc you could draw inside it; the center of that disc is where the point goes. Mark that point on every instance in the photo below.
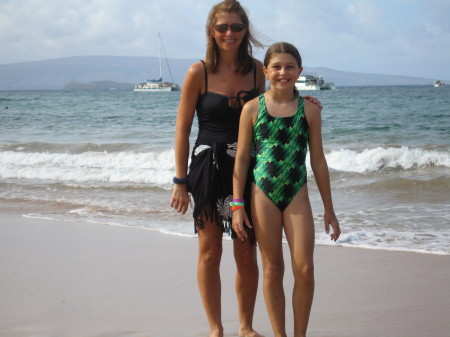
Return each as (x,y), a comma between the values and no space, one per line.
(240,220)
(314,101)
(330,219)
(180,198)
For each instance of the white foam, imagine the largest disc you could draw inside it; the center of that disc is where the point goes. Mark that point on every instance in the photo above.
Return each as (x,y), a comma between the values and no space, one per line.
(370,160)
(132,167)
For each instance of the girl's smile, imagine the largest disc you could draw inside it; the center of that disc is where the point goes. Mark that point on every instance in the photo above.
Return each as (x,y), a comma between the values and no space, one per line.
(282,71)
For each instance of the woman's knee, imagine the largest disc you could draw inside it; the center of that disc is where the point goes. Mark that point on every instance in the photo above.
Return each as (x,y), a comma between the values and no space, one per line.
(210,255)
(246,258)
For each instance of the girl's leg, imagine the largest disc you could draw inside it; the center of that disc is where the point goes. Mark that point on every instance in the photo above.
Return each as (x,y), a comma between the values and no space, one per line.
(299,229)
(246,285)
(208,275)
(268,228)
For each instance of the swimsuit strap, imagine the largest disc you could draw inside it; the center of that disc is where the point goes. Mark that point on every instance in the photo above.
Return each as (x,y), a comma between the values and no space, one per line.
(206,76)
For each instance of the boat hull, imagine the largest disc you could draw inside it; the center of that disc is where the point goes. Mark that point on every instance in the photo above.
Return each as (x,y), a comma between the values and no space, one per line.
(156,89)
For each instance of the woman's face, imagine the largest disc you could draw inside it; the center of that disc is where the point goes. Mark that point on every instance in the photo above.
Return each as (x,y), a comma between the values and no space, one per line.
(231,38)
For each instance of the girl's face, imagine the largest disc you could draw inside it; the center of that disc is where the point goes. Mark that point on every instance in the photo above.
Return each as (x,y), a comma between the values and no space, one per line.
(230,38)
(282,71)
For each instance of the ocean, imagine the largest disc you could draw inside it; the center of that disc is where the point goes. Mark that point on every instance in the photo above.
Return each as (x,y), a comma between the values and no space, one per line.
(108,157)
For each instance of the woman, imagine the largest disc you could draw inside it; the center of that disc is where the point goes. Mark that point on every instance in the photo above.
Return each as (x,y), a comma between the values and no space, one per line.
(217,88)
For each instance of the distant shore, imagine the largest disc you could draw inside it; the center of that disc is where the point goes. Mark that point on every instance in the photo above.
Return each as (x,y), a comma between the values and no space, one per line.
(73,279)
(54,74)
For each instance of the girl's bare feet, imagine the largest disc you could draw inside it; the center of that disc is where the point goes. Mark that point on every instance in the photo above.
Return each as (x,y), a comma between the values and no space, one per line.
(249,333)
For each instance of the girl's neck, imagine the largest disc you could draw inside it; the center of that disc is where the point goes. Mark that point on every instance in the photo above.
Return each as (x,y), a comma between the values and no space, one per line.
(281,96)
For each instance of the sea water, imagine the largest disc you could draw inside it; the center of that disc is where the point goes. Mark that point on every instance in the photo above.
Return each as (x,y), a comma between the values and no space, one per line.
(108,157)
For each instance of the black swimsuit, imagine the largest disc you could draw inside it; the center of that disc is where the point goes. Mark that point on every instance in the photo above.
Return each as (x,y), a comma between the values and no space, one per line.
(211,169)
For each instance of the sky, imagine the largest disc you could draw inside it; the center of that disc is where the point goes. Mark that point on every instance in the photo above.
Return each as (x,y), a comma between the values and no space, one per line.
(395,37)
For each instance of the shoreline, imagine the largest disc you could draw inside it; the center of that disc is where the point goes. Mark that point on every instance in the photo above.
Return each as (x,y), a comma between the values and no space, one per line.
(226,237)
(75,279)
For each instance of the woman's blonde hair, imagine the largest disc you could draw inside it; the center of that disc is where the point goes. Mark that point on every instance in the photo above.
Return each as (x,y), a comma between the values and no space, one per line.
(245,55)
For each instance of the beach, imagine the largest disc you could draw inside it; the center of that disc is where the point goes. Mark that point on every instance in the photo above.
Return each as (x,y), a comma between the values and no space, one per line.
(79,279)
(89,246)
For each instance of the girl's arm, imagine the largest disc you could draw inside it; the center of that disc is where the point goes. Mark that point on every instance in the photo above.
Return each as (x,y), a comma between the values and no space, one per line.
(191,89)
(320,167)
(241,165)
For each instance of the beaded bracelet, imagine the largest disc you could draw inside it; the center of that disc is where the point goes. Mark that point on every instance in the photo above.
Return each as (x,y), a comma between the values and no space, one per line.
(180,180)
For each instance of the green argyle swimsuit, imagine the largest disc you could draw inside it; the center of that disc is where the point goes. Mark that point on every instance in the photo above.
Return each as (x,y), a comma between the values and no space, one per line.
(280,149)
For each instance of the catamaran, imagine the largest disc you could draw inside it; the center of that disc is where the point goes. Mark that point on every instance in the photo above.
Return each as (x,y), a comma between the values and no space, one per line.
(158,85)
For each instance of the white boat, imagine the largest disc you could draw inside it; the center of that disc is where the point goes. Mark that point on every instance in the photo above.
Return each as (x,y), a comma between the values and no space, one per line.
(313,82)
(307,82)
(158,85)
(438,83)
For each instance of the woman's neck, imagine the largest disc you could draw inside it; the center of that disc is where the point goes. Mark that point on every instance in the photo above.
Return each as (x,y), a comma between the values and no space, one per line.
(229,60)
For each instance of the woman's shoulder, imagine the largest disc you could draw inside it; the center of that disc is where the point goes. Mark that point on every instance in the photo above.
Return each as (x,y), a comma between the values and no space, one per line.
(195,74)
(197,68)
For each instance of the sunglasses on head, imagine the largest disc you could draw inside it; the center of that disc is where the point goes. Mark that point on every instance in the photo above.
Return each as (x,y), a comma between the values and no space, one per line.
(235,27)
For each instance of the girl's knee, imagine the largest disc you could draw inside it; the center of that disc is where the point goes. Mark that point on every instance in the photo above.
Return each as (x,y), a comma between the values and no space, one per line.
(304,272)
(274,272)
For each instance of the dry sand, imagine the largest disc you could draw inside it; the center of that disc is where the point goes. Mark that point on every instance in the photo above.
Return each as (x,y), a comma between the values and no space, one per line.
(68,279)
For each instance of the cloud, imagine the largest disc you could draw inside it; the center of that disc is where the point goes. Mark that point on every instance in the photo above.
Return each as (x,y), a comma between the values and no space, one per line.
(392,37)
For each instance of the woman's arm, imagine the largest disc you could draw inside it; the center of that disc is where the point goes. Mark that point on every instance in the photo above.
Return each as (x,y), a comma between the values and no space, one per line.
(320,167)
(191,89)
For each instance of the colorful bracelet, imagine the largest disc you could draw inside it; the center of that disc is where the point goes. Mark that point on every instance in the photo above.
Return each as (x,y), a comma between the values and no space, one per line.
(238,200)
(180,180)
(235,203)
(234,208)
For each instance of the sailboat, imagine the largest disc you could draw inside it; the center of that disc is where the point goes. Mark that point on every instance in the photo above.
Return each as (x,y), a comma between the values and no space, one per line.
(158,85)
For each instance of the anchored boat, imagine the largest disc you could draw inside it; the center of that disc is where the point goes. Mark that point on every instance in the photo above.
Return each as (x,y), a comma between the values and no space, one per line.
(313,82)
(158,85)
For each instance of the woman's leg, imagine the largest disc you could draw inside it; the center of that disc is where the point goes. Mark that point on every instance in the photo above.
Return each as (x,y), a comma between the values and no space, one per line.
(246,285)
(299,229)
(267,220)
(208,275)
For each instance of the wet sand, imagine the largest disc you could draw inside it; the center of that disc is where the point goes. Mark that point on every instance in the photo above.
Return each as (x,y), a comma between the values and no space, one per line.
(70,279)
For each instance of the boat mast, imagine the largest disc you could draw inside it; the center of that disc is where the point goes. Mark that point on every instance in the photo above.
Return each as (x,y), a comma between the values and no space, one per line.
(160,59)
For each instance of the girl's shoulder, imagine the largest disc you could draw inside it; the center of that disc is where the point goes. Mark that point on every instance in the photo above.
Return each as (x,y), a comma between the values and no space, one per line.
(312,111)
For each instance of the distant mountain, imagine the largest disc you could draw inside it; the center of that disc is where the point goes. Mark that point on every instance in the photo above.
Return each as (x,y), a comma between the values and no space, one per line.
(98,85)
(126,71)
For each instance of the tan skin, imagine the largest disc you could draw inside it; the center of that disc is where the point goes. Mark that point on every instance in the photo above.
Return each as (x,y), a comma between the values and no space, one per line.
(297,218)
(228,82)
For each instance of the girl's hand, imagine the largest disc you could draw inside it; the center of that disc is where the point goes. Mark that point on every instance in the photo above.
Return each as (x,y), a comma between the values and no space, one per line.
(180,198)
(240,220)
(314,101)
(330,219)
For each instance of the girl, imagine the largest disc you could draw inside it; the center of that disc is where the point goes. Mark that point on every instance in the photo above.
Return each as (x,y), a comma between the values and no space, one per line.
(280,124)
